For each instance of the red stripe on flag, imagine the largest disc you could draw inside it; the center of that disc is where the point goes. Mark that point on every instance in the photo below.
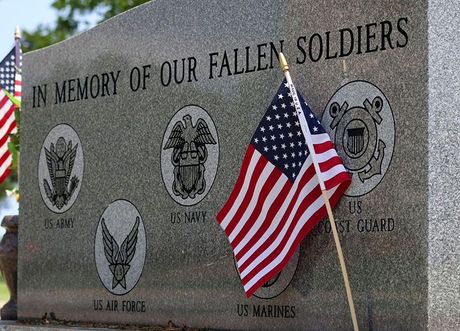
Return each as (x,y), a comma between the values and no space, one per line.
(267,221)
(264,192)
(261,163)
(239,183)
(323,147)
(329,164)
(7,116)
(5,175)
(309,173)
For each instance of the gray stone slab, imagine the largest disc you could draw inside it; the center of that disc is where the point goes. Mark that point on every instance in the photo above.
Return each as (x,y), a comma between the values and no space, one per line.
(392,89)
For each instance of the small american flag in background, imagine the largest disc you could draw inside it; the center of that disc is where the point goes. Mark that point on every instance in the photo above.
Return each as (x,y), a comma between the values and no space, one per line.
(10,80)
(277,198)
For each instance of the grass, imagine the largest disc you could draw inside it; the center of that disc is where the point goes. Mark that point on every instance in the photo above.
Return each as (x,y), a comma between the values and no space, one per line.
(4,293)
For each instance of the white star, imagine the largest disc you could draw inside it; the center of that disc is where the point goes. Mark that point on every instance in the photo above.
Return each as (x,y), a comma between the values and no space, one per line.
(299,133)
(286,85)
(256,140)
(289,94)
(315,129)
(277,116)
(274,107)
(292,104)
(306,152)
(293,175)
(311,115)
(268,118)
(272,138)
(283,105)
(293,155)
(318,122)
(283,146)
(274,147)
(280,96)
(262,129)
(284,156)
(300,164)
(300,153)
(296,123)
(270,127)
(288,124)
(285,115)
(299,143)
(264,139)
(279,126)
(294,113)
(276,157)
(294,165)
(291,145)
(266,148)
(281,136)
(286,166)
(290,134)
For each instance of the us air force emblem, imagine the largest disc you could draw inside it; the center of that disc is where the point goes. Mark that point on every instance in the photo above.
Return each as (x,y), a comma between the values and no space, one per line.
(60,168)
(120,247)
(360,121)
(190,154)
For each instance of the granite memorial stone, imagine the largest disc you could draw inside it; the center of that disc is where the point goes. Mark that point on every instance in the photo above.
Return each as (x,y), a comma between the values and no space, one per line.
(133,134)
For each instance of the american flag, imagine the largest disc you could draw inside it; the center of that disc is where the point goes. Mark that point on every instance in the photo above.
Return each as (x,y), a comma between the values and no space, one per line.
(10,81)
(277,198)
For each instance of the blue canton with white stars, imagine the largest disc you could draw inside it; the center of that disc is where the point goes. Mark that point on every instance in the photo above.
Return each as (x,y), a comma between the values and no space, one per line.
(8,71)
(279,137)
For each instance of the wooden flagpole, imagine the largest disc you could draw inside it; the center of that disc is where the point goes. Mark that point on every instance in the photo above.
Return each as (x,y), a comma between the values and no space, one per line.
(306,131)
(17,59)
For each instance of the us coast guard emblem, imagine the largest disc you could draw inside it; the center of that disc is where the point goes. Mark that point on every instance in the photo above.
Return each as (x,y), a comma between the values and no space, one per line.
(60,168)
(120,247)
(189,155)
(360,121)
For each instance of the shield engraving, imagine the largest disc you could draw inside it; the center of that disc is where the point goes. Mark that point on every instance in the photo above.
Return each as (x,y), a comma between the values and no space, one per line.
(355,141)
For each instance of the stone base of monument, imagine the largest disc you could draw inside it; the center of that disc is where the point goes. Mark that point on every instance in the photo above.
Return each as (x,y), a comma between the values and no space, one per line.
(71,326)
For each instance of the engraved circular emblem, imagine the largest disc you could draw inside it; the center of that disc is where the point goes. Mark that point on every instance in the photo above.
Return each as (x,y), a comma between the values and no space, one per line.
(119,247)
(280,282)
(60,168)
(189,155)
(360,122)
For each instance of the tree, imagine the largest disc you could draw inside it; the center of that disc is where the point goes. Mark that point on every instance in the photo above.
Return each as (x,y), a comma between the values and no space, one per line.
(74,16)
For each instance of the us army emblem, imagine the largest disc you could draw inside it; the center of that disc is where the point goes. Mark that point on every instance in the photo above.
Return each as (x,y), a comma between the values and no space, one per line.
(190,154)
(360,122)
(60,169)
(120,247)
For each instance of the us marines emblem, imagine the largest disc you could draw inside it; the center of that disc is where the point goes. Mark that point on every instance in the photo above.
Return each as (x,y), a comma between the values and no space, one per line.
(60,168)
(120,247)
(60,160)
(189,155)
(360,121)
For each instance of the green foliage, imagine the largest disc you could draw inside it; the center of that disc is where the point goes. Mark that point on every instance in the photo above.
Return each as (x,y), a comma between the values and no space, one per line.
(72,17)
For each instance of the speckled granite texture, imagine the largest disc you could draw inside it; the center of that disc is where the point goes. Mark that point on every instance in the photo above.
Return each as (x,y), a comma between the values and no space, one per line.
(444,165)
(397,225)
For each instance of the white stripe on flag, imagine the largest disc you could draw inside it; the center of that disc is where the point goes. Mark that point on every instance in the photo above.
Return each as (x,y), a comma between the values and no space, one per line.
(314,207)
(252,204)
(263,213)
(6,165)
(254,159)
(280,213)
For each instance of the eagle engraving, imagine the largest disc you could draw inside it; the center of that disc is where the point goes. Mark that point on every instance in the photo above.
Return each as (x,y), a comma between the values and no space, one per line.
(189,156)
(119,258)
(60,160)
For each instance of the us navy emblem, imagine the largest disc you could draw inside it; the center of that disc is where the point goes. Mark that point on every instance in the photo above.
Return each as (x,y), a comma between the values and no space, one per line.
(190,154)
(360,121)
(120,247)
(60,168)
